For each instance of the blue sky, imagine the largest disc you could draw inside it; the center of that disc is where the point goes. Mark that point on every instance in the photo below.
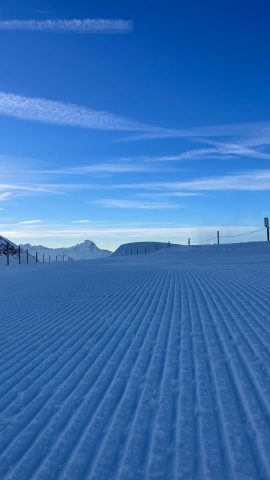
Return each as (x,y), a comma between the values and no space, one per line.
(124,121)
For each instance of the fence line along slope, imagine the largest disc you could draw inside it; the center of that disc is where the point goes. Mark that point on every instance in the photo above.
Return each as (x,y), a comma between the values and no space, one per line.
(150,367)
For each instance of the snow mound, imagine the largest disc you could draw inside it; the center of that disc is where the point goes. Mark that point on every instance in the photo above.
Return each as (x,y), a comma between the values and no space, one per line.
(139,248)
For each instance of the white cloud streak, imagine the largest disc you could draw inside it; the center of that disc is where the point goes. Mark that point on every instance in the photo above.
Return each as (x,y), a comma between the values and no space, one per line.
(105,167)
(5,196)
(243,137)
(249,181)
(257,180)
(69,114)
(87,25)
(30,222)
(61,113)
(233,150)
(133,204)
(170,194)
(251,131)
(26,188)
(254,180)
(220,151)
(81,221)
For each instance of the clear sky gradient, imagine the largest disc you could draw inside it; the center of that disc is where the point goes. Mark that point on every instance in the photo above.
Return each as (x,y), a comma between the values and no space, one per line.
(133,120)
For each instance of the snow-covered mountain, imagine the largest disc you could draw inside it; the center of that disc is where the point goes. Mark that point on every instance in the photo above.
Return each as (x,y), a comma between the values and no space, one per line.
(7,247)
(82,251)
(10,253)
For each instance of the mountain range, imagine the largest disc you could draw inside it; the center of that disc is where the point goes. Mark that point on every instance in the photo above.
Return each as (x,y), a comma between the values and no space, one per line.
(86,250)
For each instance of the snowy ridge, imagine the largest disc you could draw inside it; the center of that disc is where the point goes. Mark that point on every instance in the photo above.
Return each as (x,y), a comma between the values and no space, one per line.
(139,248)
(150,367)
(8,247)
(82,251)
(244,248)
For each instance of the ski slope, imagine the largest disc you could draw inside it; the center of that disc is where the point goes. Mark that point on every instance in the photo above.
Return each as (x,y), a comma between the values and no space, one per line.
(143,367)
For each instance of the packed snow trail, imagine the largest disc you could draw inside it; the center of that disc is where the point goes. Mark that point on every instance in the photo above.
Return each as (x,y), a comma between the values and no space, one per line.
(150,367)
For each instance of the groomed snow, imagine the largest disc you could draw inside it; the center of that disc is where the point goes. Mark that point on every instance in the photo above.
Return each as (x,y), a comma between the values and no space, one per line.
(138,367)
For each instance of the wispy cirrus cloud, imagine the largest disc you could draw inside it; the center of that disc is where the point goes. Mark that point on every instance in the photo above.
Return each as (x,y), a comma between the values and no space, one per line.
(76,25)
(193,154)
(247,130)
(157,163)
(234,140)
(26,188)
(252,180)
(81,221)
(62,113)
(4,196)
(133,204)
(68,114)
(103,167)
(30,222)
(234,149)
(218,151)
(169,194)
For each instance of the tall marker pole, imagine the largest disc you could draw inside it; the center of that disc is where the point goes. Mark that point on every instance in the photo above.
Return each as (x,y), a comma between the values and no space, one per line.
(218,237)
(266,224)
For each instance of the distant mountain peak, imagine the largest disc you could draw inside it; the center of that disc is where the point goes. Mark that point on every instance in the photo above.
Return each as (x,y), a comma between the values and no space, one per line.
(85,250)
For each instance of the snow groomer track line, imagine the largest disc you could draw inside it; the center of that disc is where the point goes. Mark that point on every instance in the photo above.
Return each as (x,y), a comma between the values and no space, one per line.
(150,367)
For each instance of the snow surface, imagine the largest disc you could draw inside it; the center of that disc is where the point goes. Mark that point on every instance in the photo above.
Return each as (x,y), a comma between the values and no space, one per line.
(82,251)
(137,367)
